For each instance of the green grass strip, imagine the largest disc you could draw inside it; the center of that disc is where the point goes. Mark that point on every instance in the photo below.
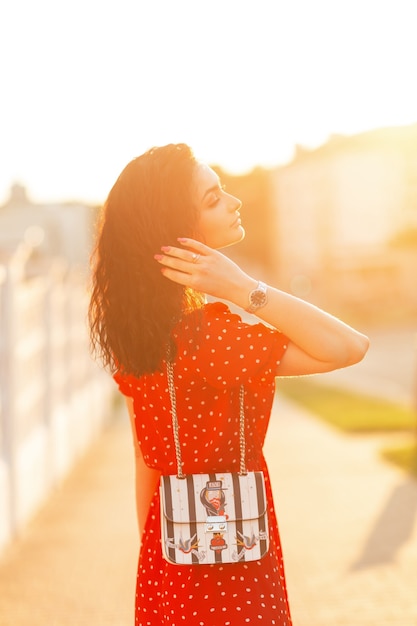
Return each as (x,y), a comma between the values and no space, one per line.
(347,410)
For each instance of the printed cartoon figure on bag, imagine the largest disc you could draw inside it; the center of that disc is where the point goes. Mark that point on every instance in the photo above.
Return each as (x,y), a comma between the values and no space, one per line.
(187,546)
(246,543)
(218,543)
(213,498)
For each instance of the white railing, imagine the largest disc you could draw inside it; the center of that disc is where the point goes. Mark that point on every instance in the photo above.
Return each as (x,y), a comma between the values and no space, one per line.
(54,399)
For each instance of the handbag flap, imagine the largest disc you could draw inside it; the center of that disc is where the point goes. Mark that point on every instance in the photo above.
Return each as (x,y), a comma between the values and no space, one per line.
(197,497)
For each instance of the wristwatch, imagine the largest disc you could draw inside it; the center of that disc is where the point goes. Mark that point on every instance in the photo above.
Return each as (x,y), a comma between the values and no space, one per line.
(258,297)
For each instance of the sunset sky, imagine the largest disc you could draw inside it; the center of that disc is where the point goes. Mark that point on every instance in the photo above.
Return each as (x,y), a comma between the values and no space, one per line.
(87,85)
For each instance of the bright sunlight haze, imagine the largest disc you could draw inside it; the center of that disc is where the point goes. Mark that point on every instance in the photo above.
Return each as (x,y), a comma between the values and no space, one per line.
(89,85)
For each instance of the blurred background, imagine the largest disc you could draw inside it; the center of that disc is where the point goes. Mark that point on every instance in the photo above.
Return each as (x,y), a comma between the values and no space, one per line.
(307,110)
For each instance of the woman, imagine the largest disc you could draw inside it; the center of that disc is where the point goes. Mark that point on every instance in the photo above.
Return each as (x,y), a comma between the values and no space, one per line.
(157,252)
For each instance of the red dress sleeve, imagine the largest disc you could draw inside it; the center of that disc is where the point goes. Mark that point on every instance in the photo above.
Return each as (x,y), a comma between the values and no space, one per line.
(125,383)
(216,345)
(226,351)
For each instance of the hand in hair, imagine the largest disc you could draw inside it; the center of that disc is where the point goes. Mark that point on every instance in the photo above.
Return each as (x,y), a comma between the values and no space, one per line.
(319,341)
(203,269)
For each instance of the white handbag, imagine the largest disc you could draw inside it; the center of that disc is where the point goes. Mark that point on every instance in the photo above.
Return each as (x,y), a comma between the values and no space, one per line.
(212,518)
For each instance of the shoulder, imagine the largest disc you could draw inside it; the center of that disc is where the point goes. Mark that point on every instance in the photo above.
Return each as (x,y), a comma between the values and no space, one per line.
(219,346)
(217,316)
(210,310)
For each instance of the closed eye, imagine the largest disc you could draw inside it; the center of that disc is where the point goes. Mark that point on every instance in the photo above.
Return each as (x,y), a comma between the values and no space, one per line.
(216,196)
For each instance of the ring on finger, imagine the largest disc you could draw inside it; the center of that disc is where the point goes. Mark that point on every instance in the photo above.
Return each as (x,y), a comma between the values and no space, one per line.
(196,257)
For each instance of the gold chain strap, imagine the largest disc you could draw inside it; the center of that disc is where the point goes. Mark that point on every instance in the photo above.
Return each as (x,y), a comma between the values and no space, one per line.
(175,428)
(242,470)
(170,372)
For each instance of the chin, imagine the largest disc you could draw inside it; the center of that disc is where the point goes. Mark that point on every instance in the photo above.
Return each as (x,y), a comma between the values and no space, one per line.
(240,235)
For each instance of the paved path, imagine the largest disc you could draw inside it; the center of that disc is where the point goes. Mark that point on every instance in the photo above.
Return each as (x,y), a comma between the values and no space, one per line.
(348,525)
(75,564)
(389,369)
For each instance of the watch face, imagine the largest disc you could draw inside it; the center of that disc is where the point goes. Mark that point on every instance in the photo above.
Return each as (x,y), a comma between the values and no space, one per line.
(257,298)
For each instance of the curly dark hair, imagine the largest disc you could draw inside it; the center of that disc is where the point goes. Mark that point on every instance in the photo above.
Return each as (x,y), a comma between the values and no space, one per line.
(133,308)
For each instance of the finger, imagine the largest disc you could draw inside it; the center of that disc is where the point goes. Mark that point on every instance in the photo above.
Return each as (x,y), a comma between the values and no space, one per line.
(181,278)
(194,245)
(177,263)
(181,253)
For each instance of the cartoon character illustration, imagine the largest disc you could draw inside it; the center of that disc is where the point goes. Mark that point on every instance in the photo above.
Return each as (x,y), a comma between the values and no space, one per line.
(186,546)
(217,542)
(213,499)
(247,542)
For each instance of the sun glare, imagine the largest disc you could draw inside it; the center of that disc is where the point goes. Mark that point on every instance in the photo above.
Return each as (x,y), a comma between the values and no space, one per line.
(242,85)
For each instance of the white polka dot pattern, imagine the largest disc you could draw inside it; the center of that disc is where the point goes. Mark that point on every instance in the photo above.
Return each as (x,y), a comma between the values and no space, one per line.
(216,352)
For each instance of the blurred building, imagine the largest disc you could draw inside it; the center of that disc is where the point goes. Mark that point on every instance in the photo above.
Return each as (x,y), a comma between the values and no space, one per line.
(56,230)
(337,210)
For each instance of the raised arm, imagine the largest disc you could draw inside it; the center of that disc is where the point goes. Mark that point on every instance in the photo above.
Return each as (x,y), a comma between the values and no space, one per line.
(319,342)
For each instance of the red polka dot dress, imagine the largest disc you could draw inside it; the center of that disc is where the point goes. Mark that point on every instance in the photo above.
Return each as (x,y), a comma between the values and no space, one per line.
(216,353)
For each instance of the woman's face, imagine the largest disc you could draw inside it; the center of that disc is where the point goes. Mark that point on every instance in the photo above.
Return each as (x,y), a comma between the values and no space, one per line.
(219,224)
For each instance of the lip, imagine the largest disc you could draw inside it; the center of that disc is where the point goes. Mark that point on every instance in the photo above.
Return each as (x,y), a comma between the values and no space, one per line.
(237,222)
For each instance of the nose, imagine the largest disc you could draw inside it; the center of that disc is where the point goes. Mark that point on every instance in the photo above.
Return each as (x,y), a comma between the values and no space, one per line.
(235,204)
